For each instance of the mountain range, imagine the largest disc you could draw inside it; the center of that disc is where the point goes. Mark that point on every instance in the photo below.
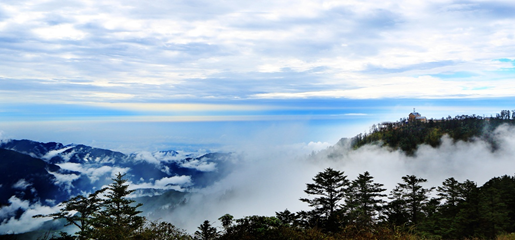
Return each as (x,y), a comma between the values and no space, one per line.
(35,174)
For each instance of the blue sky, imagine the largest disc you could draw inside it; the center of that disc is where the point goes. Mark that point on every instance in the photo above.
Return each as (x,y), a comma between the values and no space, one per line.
(194,73)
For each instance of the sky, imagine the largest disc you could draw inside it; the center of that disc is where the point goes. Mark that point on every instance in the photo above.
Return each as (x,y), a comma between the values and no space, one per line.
(131,75)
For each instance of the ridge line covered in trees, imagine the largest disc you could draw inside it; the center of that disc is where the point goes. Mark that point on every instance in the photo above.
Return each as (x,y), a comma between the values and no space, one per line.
(407,135)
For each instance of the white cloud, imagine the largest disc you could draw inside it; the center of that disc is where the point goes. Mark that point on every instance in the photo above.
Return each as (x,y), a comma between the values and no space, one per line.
(63,31)
(175,180)
(232,49)
(267,179)
(77,167)
(22,184)
(146,156)
(52,153)
(14,204)
(200,165)
(94,173)
(65,180)
(176,183)
(26,222)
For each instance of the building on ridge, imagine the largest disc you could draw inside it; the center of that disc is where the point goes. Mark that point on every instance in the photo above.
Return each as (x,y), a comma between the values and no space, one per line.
(415,116)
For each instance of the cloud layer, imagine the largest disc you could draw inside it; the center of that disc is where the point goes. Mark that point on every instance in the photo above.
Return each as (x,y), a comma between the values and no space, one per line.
(135,52)
(273,179)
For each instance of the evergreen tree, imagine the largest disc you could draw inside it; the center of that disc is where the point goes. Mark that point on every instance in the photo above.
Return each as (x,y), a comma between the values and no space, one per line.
(411,196)
(226,221)
(496,206)
(454,196)
(396,213)
(206,231)
(254,227)
(79,211)
(119,217)
(364,200)
(466,223)
(450,192)
(161,231)
(286,217)
(329,186)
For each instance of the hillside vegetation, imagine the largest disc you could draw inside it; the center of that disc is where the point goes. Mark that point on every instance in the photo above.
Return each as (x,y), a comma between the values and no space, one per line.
(340,208)
(407,135)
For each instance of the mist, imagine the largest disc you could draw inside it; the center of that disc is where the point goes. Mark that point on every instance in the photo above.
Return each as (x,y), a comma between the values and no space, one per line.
(270,177)
(270,171)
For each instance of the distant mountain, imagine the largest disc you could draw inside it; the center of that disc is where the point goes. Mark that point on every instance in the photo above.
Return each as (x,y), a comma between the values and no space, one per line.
(53,152)
(27,178)
(35,174)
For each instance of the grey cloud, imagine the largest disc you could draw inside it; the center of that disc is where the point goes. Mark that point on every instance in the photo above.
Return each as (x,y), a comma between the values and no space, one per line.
(490,9)
(381,19)
(419,66)
(53,19)
(228,84)
(361,32)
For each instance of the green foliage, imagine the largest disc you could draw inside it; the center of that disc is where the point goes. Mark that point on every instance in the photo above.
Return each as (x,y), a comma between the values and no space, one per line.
(461,211)
(161,231)
(80,212)
(497,206)
(226,221)
(407,136)
(286,217)
(110,216)
(411,197)
(118,218)
(206,232)
(330,188)
(364,200)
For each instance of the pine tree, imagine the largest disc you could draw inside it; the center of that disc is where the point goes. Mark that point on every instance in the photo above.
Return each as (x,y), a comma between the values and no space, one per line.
(496,205)
(364,200)
(119,217)
(411,196)
(467,220)
(453,195)
(330,186)
(450,192)
(286,217)
(206,231)
(79,211)
(162,231)
(226,221)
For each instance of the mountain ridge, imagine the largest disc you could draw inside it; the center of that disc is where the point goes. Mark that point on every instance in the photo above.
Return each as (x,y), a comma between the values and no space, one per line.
(41,175)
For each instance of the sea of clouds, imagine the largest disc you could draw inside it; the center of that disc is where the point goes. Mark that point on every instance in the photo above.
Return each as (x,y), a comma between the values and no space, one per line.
(273,178)
(270,177)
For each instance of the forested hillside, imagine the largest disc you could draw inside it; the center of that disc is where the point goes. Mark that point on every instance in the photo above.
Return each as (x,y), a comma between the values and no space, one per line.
(407,135)
(340,208)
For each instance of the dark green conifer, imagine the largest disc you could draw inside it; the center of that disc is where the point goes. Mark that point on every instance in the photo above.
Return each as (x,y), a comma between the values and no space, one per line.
(364,200)
(119,217)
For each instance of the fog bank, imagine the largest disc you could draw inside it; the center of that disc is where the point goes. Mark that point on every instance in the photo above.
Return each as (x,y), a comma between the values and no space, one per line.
(270,177)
